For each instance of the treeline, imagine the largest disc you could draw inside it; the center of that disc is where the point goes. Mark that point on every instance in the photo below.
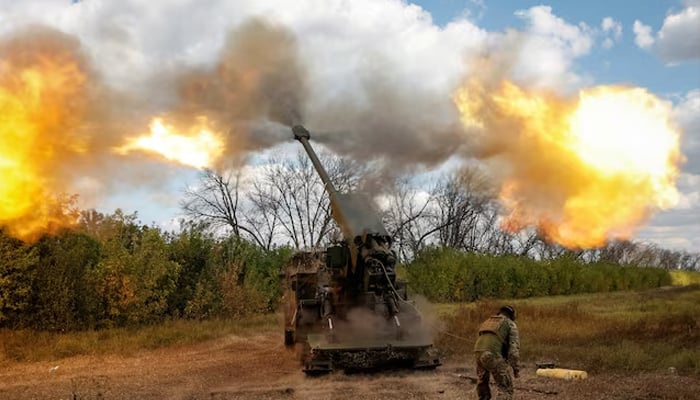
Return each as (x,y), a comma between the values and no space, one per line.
(112,271)
(448,275)
(286,202)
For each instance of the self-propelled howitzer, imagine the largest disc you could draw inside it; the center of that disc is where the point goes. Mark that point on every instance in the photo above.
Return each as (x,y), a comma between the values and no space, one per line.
(344,305)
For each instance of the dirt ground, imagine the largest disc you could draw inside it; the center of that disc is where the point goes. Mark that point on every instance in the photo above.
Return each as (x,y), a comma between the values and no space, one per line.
(260,367)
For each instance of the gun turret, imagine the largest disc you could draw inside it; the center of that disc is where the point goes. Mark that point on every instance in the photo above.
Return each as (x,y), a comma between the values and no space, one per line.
(362,228)
(363,263)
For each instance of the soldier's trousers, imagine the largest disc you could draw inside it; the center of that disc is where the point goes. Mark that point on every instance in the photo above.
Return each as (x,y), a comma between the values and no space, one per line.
(488,363)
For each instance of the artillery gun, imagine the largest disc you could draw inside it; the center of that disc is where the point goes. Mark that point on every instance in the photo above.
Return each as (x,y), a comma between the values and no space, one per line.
(344,307)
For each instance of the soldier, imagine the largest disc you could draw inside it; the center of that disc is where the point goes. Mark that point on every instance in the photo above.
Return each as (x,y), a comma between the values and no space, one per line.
(497,346)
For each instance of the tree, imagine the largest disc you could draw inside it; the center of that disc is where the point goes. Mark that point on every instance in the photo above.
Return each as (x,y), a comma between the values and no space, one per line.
(135,282)
(405,217)
(286,200)
(296,198)
(63,298)
(192,249)
(17,269)
(461,203)
(216,202)
(120,227)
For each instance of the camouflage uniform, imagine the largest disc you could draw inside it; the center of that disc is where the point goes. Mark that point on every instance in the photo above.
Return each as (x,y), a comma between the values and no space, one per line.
(497,347)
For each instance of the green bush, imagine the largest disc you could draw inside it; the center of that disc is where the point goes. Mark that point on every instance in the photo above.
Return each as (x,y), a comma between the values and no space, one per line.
(17,270)
(447,275)
(63,296)
(113,272)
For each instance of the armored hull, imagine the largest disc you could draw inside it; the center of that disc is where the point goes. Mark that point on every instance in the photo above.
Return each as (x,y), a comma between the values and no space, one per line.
(363,335)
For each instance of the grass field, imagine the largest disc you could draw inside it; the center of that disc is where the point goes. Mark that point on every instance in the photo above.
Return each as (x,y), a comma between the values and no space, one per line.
(649,330)
(25,345)
(685,278)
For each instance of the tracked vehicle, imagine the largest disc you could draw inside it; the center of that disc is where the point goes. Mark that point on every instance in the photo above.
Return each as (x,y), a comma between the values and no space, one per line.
(344,307)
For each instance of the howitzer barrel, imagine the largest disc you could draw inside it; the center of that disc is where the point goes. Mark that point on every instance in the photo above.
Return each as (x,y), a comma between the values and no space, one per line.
(302,135)
(351,211)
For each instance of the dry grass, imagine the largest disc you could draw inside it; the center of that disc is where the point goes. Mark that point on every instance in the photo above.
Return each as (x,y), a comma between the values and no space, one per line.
(649,330)
(27,345)
(685,278)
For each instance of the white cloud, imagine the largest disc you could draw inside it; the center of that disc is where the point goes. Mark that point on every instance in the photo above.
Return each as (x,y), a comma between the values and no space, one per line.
(687,116)
(642,35)
(132,40)
(613,26)
(688,112)
(678,228)
(678,39)
(574,39)
(480,8)
(613,31)
(547,54)
(689,186)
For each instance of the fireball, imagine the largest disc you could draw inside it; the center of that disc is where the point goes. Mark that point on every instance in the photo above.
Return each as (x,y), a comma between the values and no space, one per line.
(583,169)
(41,100)
(197,146)
(56,125)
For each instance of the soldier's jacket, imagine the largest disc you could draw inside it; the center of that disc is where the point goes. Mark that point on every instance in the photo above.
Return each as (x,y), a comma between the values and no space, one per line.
(499,335)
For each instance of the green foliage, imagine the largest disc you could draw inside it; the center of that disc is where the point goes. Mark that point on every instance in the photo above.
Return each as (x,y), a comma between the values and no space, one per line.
(685,277)
(113,272)
(63,297)
(135,277)
(447,275)
(17,264)
(240,279)
(192,250)
(262,275)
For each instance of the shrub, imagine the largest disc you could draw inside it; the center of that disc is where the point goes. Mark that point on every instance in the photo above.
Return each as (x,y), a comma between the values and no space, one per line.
(447,275)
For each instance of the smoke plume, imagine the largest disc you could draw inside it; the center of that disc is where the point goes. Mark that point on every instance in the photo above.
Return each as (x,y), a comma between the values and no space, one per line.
(67,131)
(257,81)
(64,130)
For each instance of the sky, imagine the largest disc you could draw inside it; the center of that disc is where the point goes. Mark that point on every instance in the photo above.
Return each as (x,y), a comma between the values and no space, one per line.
(387,51)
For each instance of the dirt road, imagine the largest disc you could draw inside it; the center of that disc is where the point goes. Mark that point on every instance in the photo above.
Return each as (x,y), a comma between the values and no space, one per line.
(260,367)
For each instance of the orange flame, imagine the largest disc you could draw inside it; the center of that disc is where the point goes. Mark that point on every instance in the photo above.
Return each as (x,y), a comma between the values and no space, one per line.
(198,147)
(41,99)
(582,170)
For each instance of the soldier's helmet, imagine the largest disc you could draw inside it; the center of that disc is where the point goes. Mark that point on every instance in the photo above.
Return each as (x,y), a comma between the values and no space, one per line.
(508,311)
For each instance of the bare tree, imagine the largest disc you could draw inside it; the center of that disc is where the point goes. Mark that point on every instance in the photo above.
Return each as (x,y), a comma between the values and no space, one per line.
(464,209)
(405,217)
(689,261)
(262,216)
(216,201)
(290,194)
